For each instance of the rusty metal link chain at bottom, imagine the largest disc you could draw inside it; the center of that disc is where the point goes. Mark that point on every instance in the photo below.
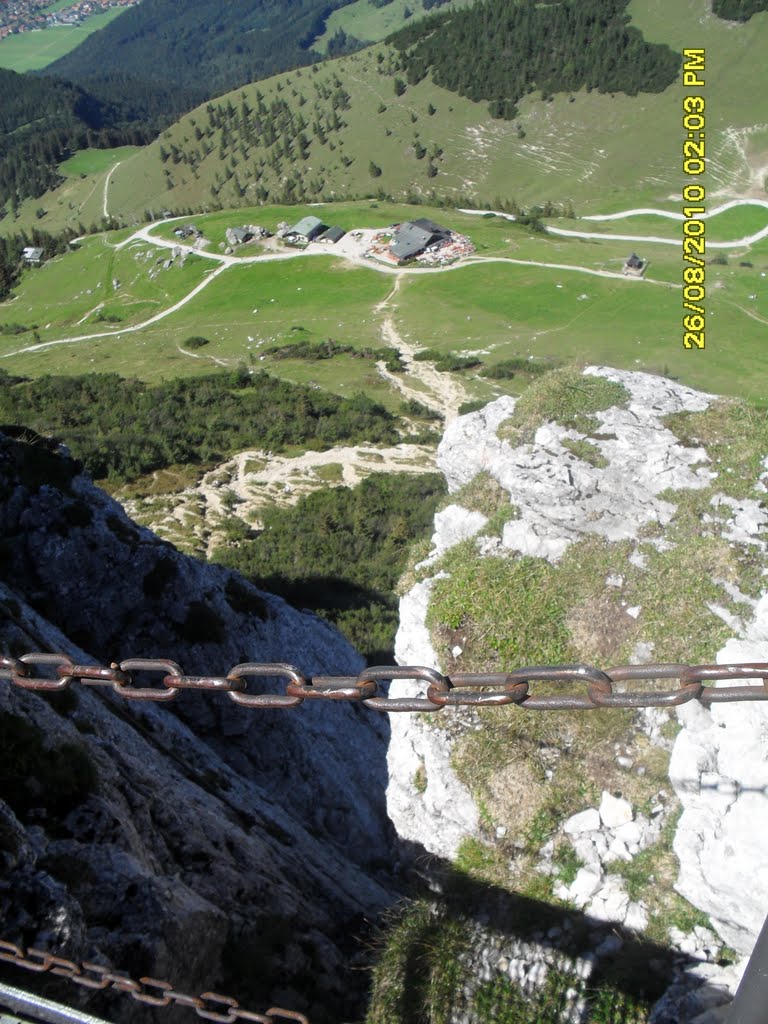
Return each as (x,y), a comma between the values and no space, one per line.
(151,991)
(465,688)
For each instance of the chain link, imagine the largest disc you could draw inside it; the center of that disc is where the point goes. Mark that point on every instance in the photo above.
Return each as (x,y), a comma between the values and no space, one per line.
(150,991)
(595,688)
(480,689)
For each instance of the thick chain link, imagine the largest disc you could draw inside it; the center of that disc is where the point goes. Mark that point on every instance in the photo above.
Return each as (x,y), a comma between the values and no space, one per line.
(595,688)
(151,991)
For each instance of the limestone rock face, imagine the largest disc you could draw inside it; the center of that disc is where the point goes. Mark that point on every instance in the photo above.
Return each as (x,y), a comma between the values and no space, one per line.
(719,769)
(218,846)
(720,757)
(561,498)
(424,796)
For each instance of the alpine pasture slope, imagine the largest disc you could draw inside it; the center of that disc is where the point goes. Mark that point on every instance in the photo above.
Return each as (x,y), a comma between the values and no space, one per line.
(319,134)
(598,152)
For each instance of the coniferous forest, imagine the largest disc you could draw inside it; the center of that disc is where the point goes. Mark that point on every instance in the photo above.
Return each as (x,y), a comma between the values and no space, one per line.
(43,121)
(499,51)
(738,10)
(201,46)
(121,429)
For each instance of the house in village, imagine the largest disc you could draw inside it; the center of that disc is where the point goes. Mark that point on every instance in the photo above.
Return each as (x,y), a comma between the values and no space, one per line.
(32,254)
(413,237)
(249,233)
(307,230)
(634,266)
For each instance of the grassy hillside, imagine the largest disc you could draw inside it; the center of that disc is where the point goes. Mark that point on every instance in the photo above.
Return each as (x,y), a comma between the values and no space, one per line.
(542,297)
(600,153)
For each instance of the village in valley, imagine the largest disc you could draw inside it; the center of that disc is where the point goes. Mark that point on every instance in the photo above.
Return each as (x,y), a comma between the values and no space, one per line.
(29,15)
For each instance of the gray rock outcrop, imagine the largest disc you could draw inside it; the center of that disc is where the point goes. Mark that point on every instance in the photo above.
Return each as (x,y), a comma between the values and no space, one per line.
(218,846)
(718,764)
(719,769)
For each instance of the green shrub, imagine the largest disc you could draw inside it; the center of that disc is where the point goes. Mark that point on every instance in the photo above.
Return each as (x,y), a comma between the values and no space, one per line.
(447,361)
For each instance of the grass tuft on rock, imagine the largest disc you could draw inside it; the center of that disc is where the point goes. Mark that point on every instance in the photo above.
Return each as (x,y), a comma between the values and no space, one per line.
(564,396)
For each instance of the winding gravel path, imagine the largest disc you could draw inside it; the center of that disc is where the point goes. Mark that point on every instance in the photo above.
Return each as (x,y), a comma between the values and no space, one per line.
(107,180)
(224,262)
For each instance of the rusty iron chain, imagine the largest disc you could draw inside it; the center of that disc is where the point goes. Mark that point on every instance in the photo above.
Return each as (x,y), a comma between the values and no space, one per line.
(150,991)
(465,688)
(475,689)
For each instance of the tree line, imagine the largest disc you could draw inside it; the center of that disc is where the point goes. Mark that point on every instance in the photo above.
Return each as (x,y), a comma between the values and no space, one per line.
(738,10)
(499,51)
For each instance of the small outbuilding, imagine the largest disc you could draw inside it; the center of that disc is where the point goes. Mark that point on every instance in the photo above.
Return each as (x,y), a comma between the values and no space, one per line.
(32,254)
(332,235)
(238,236)
(634,266)
(188,231)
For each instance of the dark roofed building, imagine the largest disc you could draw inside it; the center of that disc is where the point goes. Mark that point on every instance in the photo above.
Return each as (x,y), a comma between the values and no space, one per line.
(434,229)
(414,236)
(332,235)
(188,231)
(634,265)
(238,236)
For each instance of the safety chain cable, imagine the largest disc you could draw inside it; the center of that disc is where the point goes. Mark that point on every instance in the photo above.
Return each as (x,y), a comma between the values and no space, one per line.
(150,991)
(477,689)
(480,689)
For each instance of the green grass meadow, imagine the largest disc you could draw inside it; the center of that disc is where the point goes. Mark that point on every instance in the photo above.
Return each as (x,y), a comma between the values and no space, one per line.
(95,161)
(67,295)
(729,226)
(498,310)
(29,51)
